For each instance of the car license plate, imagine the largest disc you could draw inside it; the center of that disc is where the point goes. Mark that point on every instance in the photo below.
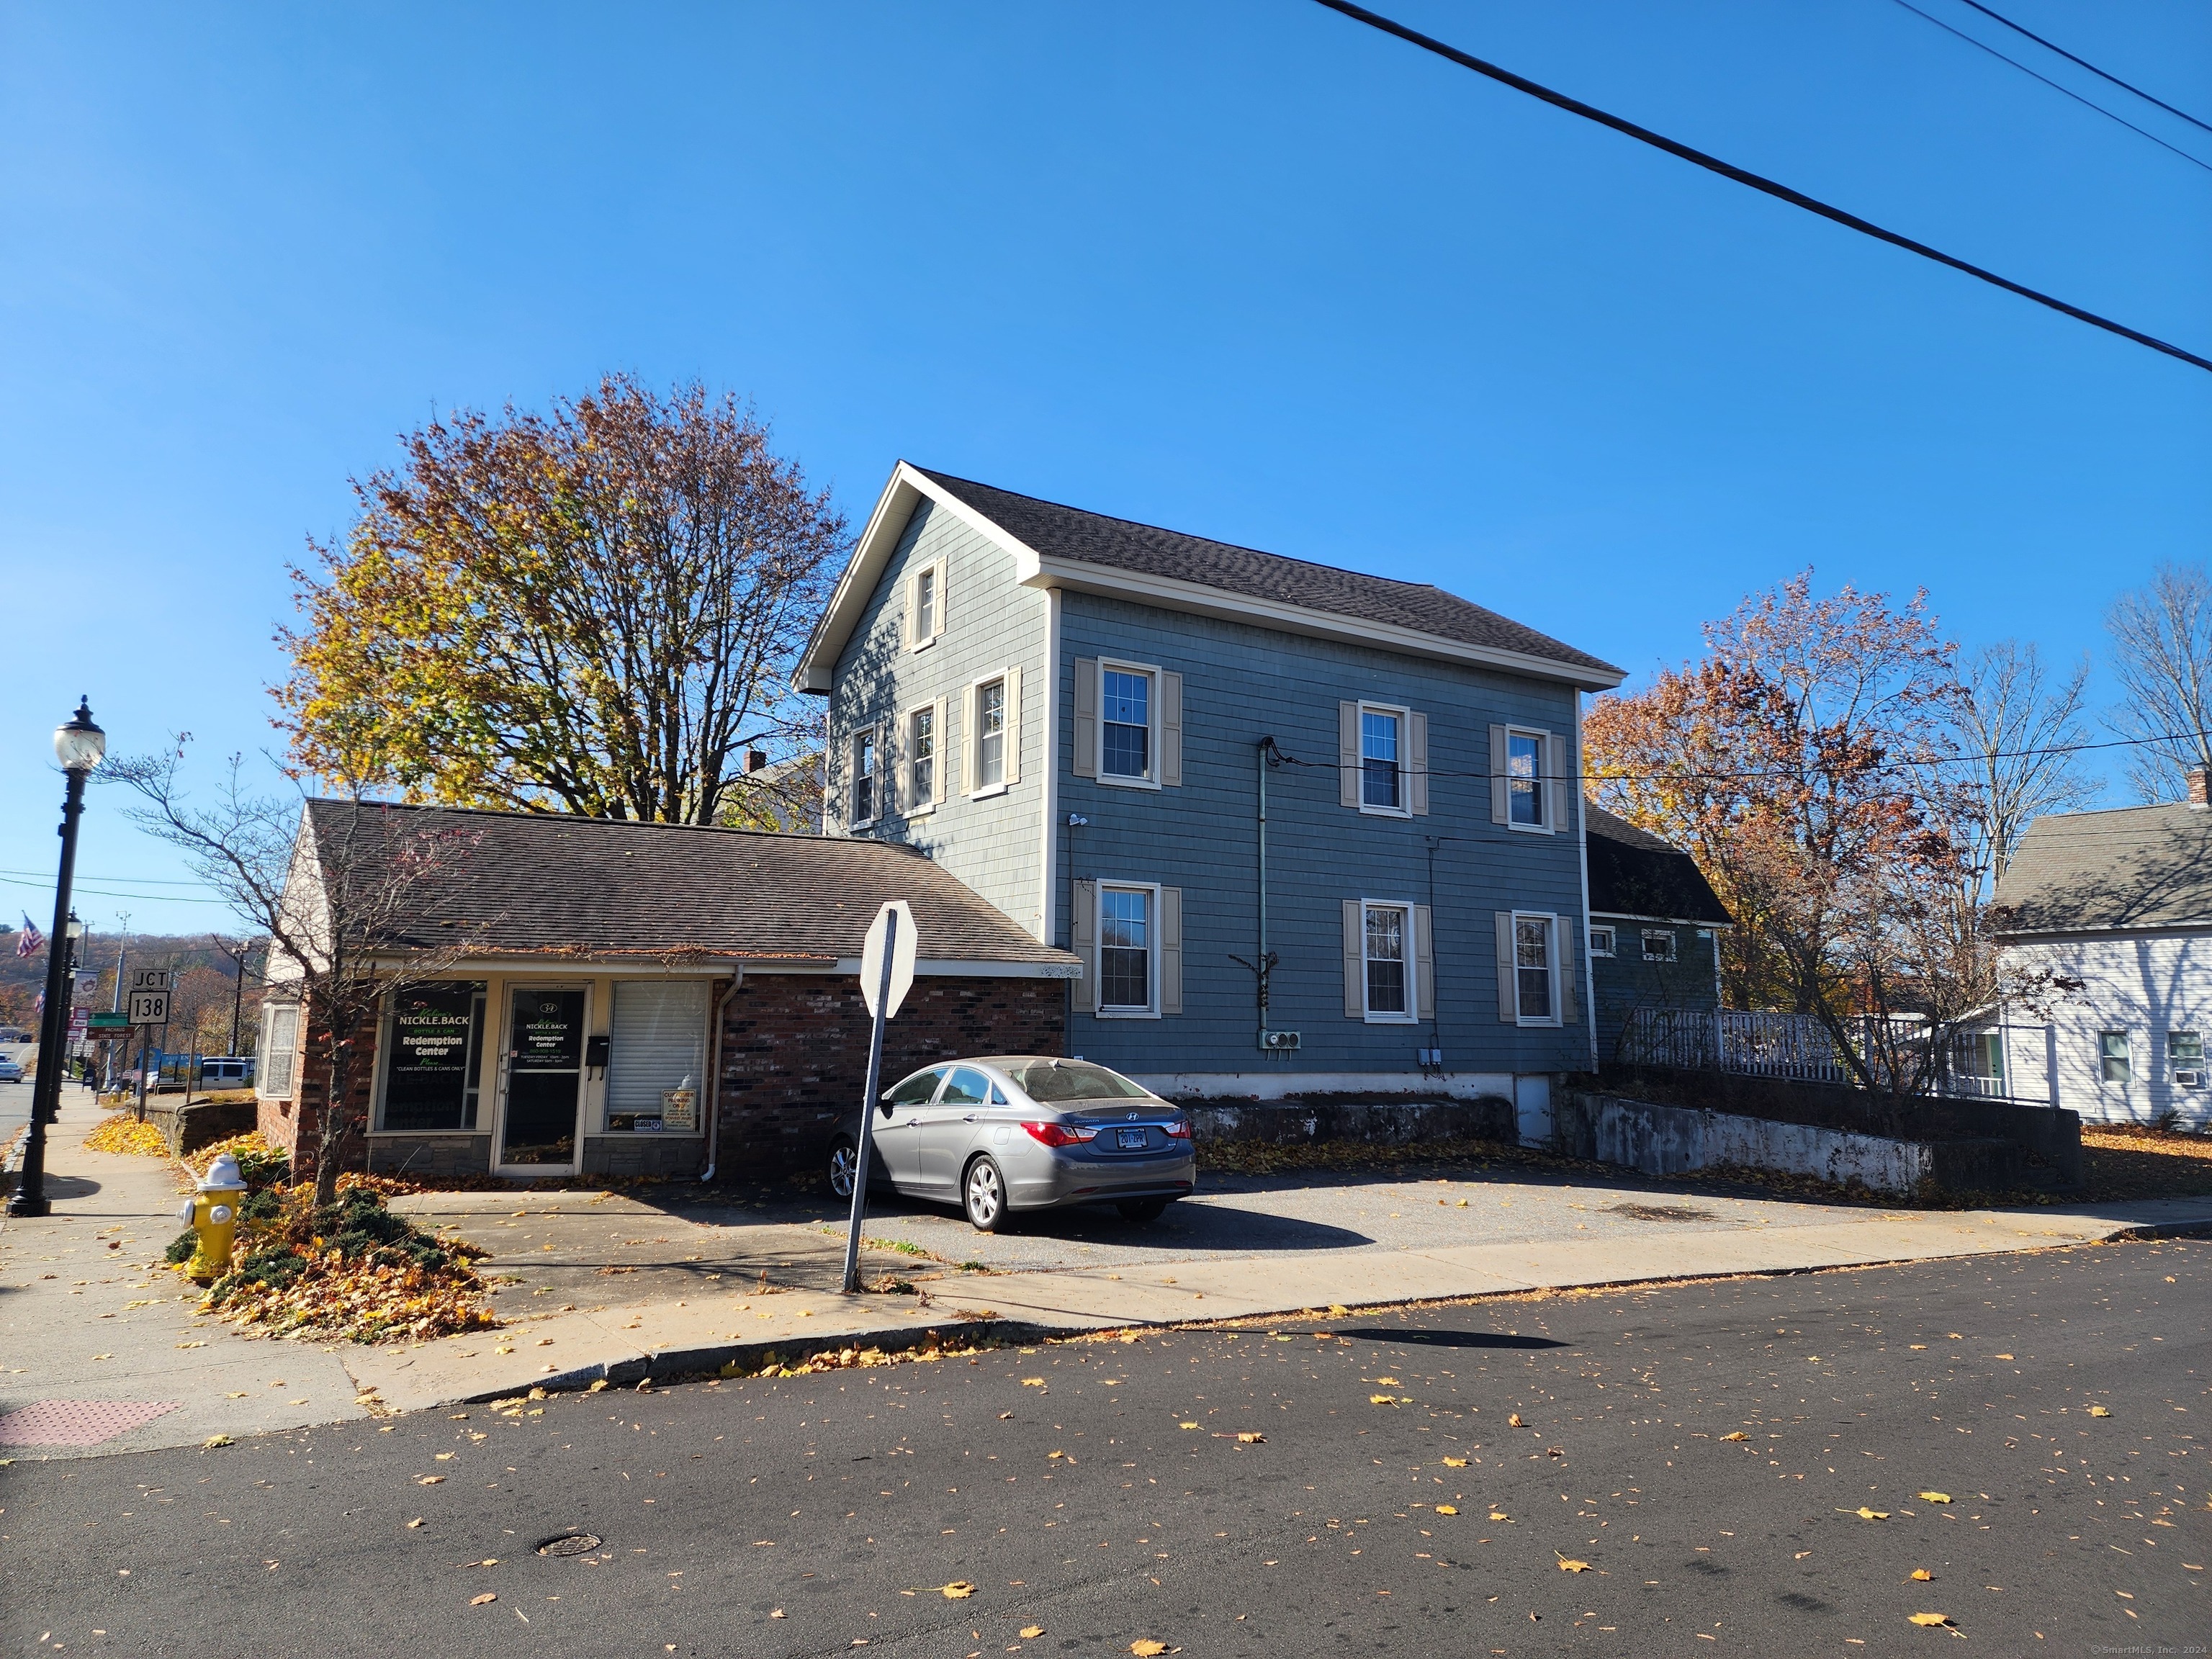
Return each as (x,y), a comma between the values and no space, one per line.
(1132,1141)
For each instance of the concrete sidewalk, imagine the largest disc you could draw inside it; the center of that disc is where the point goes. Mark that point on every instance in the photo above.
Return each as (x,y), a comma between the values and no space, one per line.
(603,1285)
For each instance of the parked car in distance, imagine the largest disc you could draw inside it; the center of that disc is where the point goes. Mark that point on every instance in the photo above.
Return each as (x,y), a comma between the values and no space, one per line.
(9,1071)
(1024,1131)
(226,1072)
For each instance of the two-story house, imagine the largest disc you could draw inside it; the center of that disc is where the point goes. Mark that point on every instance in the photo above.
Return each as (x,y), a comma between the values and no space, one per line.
(1311,831)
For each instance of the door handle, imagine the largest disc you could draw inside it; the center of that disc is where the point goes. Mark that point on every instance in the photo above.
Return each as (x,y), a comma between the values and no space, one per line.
(970,1118)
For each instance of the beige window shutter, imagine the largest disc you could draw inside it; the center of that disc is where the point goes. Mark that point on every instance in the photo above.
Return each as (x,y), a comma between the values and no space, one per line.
(1509,1001)
(1171,950)
(1086,762)
(944,596)
(1171,731)
(1013,725)
(944,752)
(909,627)
(1501,804)
(968,739)
(1556,761)
(1417,756)
(1425,961)
(1347,760)
(1355,961)
(1083,934)
(1563,947)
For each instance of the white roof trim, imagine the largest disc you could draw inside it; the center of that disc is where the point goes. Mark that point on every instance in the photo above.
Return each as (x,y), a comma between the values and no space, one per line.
(908,484)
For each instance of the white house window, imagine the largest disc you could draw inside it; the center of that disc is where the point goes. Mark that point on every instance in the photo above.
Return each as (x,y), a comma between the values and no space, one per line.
(864,778)
(657,1056)
(1600,940)
(990,734)
(1124,950)
(1385,929)
(280,1036)
(2112,1056)
(922,758)
(1381,746)
(2185,1052)
(924,605)
(1658,945)
(1125,711)
(1532,969)
(1524,779)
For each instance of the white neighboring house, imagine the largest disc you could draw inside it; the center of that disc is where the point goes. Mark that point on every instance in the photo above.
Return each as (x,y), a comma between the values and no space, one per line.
(2121,900)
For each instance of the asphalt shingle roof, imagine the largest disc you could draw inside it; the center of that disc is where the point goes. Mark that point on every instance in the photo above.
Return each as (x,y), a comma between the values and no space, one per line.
(1634,873)
(1069,533)
(543,884)
(2137,866)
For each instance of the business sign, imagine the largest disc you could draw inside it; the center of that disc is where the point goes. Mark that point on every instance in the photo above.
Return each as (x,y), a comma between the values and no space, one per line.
(84,985)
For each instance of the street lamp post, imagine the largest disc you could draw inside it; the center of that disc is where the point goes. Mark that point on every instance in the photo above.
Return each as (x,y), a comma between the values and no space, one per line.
(78,746)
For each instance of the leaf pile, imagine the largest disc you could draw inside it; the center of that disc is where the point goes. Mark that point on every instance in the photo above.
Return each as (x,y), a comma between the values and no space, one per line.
(124,1133)
(850,1358)
(353,1269)
(259,1162)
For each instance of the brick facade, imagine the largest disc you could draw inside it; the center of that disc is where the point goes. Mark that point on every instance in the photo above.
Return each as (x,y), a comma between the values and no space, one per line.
(795,1054)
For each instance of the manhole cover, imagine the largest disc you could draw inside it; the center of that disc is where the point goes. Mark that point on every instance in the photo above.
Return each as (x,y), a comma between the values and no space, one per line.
(570,1543)
(1662,1212)
(77,1422)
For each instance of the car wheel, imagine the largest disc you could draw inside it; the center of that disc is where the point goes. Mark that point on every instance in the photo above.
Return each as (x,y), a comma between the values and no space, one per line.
(1142,1209)
(983,1196)
(844,1159)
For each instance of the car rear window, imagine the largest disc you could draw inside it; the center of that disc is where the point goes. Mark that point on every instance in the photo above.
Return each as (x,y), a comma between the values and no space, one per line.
(1050,1083)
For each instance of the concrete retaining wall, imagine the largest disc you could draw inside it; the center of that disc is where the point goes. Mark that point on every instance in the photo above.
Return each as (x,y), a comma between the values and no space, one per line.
(1670,1139)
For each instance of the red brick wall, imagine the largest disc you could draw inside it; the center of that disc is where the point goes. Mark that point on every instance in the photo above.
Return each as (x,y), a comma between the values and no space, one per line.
(795,1054)
(296,1124)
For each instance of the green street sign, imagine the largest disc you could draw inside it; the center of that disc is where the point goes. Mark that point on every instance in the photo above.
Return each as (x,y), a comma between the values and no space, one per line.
(115,1022)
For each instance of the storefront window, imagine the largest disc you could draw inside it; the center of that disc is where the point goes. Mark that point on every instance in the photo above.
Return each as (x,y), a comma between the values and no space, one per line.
(657,1057)
(434,1049)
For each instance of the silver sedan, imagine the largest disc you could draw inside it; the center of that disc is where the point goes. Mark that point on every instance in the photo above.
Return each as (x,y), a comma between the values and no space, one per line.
(1024,1131)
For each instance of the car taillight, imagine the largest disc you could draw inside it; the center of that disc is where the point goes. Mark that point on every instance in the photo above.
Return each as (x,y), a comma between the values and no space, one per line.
(1058,1134)
(1179,1130)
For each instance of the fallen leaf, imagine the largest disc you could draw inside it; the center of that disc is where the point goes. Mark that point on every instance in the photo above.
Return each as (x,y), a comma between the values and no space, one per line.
(1249,1438)
(214,1440)
(1033,1381)
(958,1590)
(1454,1462)
(2099,1411)
(1382,1399)
(1922,1575)
(1866,1514)
(1387,1381)
(1515,1422)
(1447,1509)
(1499,1514)
(428,1480)
(1934,1497)
(417,1521)
(1337,1309)
(479,1601)
(1031,1633)
(1186,1426)
(1146,1648)
(2000,1356)
(1738,1434)
(1568,1566)
(1931,1619)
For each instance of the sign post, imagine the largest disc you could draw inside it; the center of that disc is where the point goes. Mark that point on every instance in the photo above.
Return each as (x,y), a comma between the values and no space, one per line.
(148,1006)
(886,975)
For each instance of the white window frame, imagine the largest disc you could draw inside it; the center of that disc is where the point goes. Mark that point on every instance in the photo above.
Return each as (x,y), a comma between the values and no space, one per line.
(1650,935)
(1151,671)
(1404,715)
(2126,1057)
(1543,826)
(1010,732)
(915,639)
(918,805)
(1610,947)
(1552,921)
(1152,904)
(266,1081)
(874,734)
(1412,1015)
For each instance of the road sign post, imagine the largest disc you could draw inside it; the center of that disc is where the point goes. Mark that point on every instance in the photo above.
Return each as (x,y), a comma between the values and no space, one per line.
(886,975)
(148,1006)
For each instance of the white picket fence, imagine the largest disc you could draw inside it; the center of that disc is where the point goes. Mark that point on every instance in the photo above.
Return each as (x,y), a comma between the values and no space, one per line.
(1992,1062)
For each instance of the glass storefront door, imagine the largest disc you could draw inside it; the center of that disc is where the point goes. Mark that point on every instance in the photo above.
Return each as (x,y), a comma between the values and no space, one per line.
(544,1077)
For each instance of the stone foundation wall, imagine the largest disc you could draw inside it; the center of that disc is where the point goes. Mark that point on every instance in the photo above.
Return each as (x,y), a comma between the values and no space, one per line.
(1374,1123)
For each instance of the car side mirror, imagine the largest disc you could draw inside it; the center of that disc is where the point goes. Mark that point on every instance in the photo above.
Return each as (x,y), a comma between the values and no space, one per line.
(887,1105)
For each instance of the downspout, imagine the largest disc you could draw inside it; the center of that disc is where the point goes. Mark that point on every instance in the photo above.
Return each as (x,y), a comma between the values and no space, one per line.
(714,1122)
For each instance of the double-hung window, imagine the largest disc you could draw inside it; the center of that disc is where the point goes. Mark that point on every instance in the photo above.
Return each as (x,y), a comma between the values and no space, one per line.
(990,734)
(280,1039)
(2112,1057)
(925,605)
(2185,1053)
(864,781)
(1381,746)
(921,759)
(1532,969)
(1524,780)
(1386,931)
(1125,730)
(1126,941)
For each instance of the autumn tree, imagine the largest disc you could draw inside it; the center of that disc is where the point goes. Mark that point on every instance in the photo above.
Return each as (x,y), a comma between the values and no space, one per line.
(2018,736)
(593,610)
(2162,656)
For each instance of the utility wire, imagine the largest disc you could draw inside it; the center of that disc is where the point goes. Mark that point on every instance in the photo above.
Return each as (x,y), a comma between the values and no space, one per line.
(2053,45)
(2085,103)
(1768,187)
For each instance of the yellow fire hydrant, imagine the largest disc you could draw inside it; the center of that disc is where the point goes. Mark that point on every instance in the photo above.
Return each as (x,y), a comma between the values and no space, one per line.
(213,1214)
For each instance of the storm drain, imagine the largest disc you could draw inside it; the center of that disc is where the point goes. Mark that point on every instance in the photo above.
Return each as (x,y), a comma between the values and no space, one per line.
(570,1543)
(1661,1212)
(77,1422)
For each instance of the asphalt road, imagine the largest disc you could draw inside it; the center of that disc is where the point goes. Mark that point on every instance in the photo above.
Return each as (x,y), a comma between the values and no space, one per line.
(2057,1399)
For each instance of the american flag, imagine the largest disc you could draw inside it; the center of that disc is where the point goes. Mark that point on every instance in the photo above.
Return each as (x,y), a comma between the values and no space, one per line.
(30,941)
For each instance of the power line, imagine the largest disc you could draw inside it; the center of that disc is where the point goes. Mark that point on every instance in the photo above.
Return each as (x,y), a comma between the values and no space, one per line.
(1755,181)
(2055,86)
(2052,45)
(128,881)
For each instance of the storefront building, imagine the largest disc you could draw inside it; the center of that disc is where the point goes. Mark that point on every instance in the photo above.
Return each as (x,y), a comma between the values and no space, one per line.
(581,997)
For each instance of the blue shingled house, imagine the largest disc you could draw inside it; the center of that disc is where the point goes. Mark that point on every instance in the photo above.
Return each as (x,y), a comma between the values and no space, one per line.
(1311,831)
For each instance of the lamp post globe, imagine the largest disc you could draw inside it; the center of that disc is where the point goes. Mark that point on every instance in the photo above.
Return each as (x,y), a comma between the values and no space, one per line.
(79,745)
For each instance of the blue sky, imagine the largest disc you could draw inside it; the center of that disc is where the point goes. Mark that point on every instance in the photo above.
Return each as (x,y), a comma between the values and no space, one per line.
(1244,269)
